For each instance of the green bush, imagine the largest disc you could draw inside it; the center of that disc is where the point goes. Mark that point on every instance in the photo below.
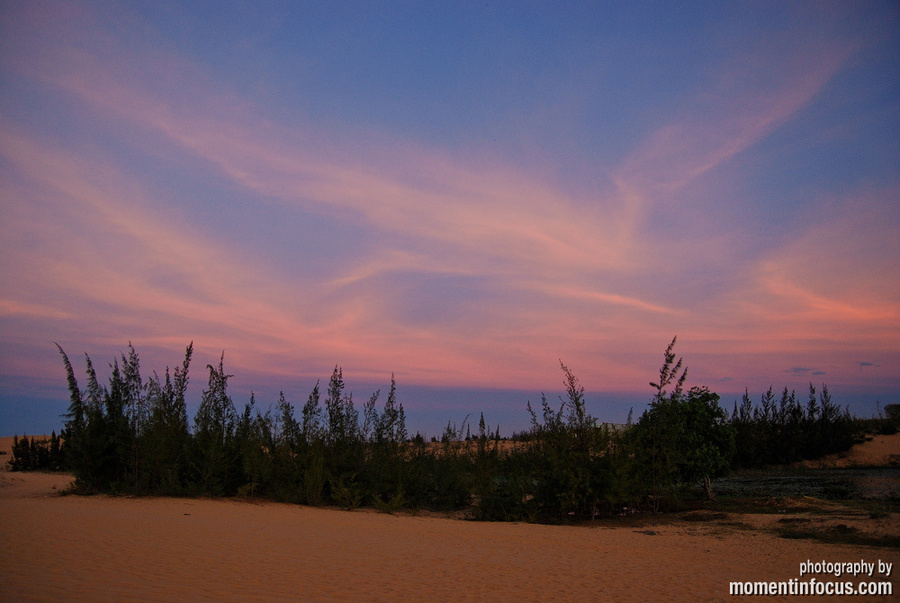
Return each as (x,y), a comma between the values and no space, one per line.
(569,458)
(681,439)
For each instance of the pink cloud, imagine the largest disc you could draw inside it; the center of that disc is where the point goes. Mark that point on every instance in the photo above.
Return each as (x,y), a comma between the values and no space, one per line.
(560,263)
(840,272)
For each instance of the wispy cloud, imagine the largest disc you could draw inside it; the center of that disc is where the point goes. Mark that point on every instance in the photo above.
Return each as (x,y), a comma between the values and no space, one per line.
(736,110)
(473,270)
(798,370)
(837,273)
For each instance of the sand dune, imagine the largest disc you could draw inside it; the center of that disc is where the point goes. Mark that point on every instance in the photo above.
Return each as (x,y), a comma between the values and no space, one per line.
(877,451)
(102,548)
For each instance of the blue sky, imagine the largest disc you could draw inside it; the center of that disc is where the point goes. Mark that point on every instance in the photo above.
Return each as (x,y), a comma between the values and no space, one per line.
(461,194)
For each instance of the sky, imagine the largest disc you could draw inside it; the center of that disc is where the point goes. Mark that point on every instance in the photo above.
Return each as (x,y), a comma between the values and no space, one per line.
(463,195)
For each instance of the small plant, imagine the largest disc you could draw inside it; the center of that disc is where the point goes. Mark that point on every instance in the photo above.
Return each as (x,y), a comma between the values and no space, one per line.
(314,481)
(345,494)
(393,504)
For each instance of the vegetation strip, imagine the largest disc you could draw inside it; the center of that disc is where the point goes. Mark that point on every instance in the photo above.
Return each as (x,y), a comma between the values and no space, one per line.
(133,436)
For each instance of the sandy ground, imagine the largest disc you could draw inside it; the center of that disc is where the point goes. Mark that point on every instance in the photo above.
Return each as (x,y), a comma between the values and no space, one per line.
(877,451)
(102,548)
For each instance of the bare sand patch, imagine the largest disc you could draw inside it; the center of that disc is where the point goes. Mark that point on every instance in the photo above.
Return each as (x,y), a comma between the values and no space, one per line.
(876,451)
(33,485)
(102,548)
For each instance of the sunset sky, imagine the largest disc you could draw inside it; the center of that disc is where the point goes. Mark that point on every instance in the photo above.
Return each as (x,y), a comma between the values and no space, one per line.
(462,194)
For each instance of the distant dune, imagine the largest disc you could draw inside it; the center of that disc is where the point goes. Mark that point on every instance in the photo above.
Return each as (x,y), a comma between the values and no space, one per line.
(101,548)
(877,451)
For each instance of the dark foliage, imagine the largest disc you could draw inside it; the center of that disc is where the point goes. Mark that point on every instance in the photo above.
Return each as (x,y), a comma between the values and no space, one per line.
(784,431)
(37,455)
(886,423)
(134,436)
(681,439)
(569,461)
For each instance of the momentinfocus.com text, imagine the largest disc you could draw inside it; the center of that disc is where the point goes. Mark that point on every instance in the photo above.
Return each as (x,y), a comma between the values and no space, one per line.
(865,572)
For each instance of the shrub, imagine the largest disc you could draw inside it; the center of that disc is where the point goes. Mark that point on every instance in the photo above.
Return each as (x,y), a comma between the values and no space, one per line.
(681,439)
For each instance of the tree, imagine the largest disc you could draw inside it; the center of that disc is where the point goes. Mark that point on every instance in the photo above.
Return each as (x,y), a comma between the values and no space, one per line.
(21,455)
(371,418)
(572,469)
(391,424)
(119,435)
(74,431)
(167,441)
(680,438)
(310,458)
(386,461)
(289,433)
(650,436)
(255,441)
(344,445)
(215,443)
(311,418)
(135,411)
(669,373)
(343,420)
